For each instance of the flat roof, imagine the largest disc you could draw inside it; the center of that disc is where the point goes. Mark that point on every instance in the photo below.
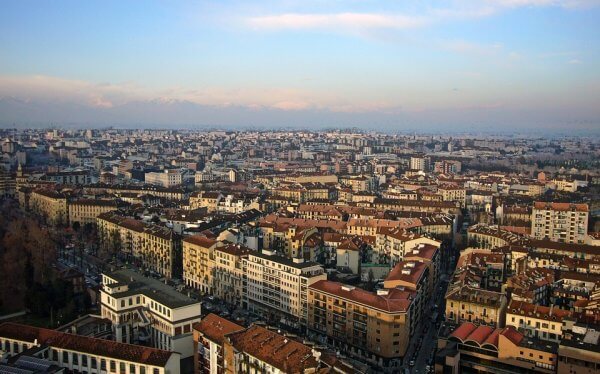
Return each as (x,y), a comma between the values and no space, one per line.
(150,287)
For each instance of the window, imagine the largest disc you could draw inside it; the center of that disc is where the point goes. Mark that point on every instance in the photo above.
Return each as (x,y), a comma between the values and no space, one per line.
(122,368)
(65,357)
(113,366)
(75,359)
(103,364)
(156,371)
(131,368)
(93,362)
(84,360)
(142,370)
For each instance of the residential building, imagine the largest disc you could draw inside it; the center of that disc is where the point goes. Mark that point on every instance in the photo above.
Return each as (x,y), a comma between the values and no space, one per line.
(560,222)
(209,337)
(156,248)
(84,354)
(278,286)
(147,311)
(199,262)
(374,327)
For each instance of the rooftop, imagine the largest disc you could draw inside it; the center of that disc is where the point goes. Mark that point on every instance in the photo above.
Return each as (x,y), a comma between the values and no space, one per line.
(150,287)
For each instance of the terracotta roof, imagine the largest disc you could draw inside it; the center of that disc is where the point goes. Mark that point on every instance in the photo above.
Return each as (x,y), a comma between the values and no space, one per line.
(551,313)
(423,251)
(463,331)
(485,335)
(513,335)
(410,272)
(215,328)
(200,240)
(235,249)
(100,347)
(284,353)
(395,301)
(561,206)
(480,334)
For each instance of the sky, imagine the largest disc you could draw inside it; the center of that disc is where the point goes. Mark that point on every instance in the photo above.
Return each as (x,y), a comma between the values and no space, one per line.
(410,65)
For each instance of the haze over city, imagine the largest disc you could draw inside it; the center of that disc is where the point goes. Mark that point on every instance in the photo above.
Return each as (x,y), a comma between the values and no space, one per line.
(491,65)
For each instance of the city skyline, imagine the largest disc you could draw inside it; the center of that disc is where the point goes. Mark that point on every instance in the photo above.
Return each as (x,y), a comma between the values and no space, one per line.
(494,65)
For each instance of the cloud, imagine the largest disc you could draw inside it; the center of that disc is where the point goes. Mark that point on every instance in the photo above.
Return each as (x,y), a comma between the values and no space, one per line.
(575,61)
(107,95)
(360,22)
(543,3)
(336,21)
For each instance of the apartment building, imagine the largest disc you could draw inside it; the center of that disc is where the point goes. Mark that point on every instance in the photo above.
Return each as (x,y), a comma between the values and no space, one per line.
(199,262)
(167,178)
(303,192)
(419,163)
(542,322)
(428,254)
(51,205)
(80,177)
(487,237)
(209,337)
(85,211)
(229,278)
(413,276)
(84,354)
(453,194)
(560,222)
(375,327)
(205,199)
(392,244)
(260,350)
(145,310)
(473,304)
(278,286)
(156,248)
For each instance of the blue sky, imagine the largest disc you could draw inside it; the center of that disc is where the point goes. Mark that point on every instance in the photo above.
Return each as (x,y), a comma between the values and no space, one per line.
(519,64)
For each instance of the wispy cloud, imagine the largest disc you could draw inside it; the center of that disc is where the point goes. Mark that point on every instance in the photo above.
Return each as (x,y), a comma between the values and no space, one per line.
(104,95)
(575,61)
(359,22)
(336,21)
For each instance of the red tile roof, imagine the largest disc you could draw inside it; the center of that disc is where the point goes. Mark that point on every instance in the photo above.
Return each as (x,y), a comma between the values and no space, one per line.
(395,301)
(407,271)
(561,206)
(284,353)
(215,328)
(200,240)
(100,347)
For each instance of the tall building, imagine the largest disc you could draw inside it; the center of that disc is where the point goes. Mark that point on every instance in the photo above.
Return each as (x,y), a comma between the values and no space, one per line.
(199,262)
(419,163)
(146,311)
(278,286)
(157,248)
(209,336)
(375,327)
(560,222)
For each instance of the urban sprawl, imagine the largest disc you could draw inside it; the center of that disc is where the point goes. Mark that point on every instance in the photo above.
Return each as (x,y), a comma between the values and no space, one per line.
(167,251)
